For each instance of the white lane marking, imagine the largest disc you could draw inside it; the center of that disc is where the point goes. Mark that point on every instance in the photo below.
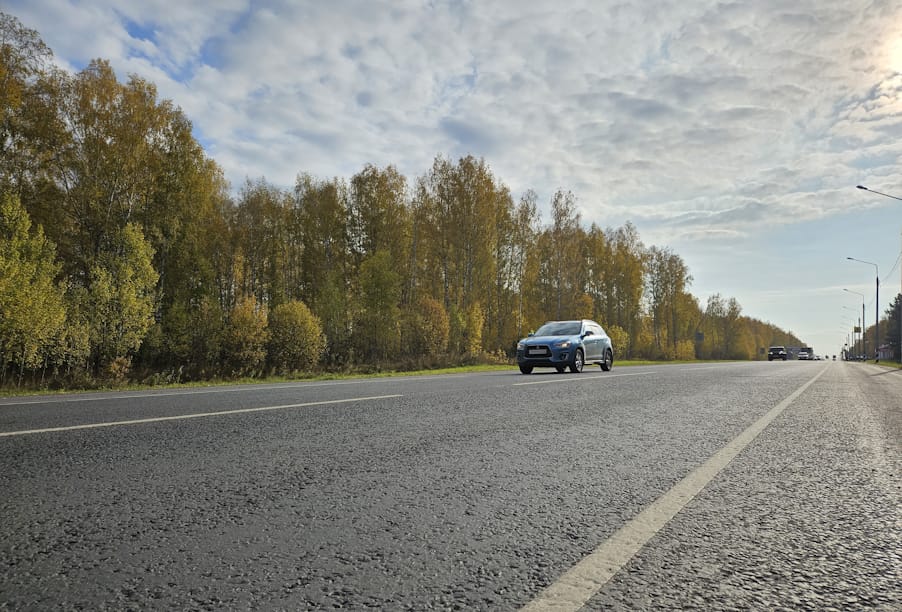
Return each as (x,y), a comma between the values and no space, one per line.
(697,367)
(577,378)
(196,415)
(582,581)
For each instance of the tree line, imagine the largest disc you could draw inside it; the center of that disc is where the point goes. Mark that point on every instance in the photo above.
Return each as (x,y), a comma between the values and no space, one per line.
(125,255)
(889,334)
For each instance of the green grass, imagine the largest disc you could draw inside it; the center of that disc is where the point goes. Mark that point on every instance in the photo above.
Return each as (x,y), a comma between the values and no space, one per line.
(888,364)
(269,380)
(312,377)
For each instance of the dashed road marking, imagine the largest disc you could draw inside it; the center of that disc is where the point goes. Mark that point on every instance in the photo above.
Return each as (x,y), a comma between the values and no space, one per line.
(577,379)
(196,415)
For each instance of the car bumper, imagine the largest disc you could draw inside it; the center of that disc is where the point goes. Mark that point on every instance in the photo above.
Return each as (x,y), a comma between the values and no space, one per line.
(551,358)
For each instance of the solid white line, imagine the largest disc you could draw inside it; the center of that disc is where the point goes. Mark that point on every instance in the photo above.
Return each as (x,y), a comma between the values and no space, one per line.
(577,379)
(582,581)
(193,416)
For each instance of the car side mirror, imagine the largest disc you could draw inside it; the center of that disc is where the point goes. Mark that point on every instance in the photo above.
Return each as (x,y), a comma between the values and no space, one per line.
(530,335)
(589,333)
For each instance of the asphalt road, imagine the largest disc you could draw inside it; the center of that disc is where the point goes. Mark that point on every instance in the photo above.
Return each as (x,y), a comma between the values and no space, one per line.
(760,485)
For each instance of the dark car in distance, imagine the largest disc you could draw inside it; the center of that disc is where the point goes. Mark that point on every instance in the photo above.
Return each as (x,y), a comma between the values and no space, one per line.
(776,352)
(566,344)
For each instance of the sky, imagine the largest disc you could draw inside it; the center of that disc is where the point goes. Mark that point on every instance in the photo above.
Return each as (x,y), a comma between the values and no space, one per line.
(732,133)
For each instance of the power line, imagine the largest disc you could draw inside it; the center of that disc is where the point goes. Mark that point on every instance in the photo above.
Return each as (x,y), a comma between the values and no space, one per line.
(891,272)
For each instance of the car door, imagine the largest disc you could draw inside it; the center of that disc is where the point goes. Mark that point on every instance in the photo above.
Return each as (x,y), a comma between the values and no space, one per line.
(593,343)
(600,342)
(603,342)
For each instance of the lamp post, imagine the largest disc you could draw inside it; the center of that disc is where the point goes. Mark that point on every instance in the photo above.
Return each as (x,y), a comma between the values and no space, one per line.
(847,337)
(886,195)
(877,192)
(864,345)
(856,325)
(876,308)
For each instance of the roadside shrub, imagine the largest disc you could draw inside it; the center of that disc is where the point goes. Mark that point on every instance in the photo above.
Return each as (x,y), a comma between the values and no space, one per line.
(296,339)
(427,328)
(244,338)
(685,350)
(193,337)
(116,372)
(620,340)
(473,331)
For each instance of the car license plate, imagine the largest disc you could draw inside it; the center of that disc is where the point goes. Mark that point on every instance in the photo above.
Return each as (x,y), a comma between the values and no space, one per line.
(535,351)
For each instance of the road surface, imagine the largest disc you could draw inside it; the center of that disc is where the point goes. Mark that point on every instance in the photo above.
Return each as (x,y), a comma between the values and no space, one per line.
(737,485)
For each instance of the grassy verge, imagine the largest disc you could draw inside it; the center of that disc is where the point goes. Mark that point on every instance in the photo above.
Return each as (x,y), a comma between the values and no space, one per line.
(312,377)
(269,380)
(887,364)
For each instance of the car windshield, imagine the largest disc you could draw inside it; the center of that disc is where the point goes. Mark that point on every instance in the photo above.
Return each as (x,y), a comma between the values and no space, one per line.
(559,328)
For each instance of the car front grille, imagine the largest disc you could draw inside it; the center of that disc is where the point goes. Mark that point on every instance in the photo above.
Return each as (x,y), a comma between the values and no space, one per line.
(538,351)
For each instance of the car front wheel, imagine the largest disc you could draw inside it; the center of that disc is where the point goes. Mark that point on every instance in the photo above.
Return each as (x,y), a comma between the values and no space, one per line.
(526,369)
(576,366)
(608,361)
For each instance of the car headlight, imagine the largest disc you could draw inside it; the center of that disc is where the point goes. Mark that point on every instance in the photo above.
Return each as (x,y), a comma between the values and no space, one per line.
(564,344)
(521,346)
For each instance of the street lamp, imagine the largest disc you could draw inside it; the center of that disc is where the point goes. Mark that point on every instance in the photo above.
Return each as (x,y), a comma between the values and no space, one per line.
(856,327)
(864,345)
(876,309)
(886,195)
(877,192)
(849,336)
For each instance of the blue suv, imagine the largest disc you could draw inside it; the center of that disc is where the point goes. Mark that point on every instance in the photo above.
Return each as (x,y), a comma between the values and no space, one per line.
(563,344)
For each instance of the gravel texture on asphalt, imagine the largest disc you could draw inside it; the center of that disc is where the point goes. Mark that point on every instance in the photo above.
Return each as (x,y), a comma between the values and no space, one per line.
(809,517)
(468,493)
